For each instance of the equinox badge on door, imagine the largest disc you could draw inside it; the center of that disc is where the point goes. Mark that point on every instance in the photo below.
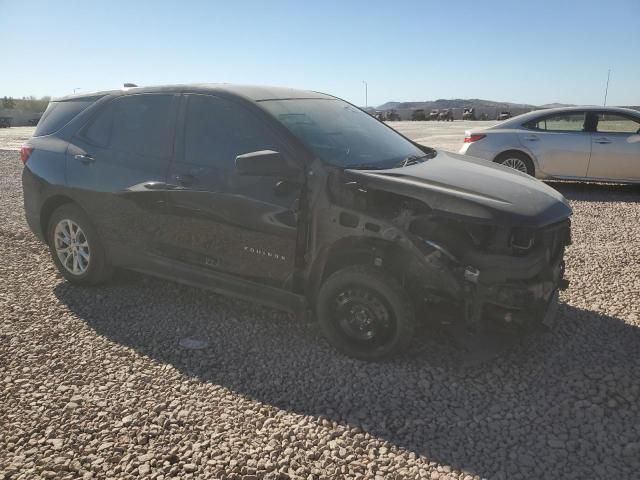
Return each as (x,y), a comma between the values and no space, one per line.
(264,253)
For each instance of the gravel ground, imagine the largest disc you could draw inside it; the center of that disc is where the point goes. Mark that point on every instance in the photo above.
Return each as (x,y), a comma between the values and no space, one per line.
(95,384)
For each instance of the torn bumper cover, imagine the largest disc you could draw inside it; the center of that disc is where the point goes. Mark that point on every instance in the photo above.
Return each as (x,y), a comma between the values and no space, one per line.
(519,302)
(517,290)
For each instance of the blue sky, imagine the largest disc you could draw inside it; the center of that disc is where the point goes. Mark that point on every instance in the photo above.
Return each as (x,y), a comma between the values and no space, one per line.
(532,52)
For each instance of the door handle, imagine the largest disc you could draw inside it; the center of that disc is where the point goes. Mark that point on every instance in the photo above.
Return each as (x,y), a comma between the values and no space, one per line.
(184,179)
(85,158)
(160,186)
(602,140)
(532,138)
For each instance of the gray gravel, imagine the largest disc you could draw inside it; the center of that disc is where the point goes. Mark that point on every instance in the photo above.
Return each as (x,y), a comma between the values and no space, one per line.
(95,384)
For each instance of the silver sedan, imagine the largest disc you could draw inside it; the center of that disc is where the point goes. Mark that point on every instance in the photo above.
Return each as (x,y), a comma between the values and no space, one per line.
(574,143)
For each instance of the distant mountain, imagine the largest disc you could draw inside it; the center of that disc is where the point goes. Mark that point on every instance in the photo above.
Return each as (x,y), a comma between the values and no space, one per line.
(556,105)
(387,106)
(453,103)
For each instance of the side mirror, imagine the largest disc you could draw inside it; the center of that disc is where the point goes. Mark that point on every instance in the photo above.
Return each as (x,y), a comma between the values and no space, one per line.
(264,163)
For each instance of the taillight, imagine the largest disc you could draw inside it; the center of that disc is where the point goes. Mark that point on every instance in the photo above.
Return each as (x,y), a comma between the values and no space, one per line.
(25,153)
(473,138)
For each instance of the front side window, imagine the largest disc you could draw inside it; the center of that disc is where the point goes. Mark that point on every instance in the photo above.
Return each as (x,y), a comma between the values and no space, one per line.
(615,123)
(139,124)
(217,131)
(561,122)
(341,134)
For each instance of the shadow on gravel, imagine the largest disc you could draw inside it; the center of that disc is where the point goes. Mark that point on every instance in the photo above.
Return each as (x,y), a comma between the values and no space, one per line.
(597,192)
(564,402)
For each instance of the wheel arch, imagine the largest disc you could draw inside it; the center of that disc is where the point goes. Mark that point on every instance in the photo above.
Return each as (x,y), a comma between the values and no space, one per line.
(351,251)
(48,207)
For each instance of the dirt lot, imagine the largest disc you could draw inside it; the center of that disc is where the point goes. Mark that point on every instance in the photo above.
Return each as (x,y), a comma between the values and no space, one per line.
(443,135)
(94,382)
(13,138)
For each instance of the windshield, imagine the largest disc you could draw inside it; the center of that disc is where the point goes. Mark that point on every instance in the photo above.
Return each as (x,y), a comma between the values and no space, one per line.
(341,134)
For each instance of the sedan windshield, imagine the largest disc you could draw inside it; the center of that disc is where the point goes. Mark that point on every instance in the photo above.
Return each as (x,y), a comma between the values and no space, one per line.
(343,135)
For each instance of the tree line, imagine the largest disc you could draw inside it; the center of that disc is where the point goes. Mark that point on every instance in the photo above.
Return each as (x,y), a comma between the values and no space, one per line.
(25,104)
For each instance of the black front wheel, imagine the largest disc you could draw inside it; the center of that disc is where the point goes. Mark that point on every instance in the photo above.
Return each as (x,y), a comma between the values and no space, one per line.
(365,313)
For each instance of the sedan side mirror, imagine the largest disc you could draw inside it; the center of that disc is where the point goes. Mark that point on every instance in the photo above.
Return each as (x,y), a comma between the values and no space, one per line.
(264,163)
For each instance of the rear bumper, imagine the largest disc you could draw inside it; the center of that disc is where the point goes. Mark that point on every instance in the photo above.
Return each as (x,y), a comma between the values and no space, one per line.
(32,202)
(474,150)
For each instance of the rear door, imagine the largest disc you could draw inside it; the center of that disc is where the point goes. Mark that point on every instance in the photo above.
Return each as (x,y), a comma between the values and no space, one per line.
(615,147)
(241,225)
(117,165)
(560,143)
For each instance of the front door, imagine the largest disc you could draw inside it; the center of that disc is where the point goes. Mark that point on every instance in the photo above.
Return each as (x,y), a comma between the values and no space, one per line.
(245,226)
(615,148)
(560,144)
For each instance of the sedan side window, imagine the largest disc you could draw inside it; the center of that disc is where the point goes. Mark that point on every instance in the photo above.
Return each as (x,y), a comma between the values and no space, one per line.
(562,122)
(217,131)
(614,123)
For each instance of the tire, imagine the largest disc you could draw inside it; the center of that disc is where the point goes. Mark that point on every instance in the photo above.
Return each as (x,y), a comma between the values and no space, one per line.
(93,266)
(365,313)
(517,161)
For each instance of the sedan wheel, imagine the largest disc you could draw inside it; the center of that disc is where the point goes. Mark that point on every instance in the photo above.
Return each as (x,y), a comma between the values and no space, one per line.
(516,163)
(72,247)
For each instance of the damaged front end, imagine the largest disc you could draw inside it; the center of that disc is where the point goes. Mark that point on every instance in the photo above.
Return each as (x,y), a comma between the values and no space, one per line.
(500,261)
(509,277)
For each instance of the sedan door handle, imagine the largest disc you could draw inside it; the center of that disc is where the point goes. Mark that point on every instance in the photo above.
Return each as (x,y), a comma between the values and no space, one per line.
(602,140)
(532,138)
(85,158)
(160,186)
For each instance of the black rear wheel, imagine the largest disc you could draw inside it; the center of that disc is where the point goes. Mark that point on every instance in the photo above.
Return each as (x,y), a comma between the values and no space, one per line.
(365,313)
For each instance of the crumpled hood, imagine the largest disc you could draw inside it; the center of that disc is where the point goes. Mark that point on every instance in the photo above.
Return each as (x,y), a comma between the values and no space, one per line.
(464,186)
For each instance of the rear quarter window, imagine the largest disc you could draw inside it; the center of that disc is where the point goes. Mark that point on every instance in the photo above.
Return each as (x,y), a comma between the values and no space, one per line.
(58,114)
(559,122)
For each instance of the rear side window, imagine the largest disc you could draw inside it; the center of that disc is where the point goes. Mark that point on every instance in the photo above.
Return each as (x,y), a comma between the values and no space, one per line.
(139,124)
(58,114)
(562,122)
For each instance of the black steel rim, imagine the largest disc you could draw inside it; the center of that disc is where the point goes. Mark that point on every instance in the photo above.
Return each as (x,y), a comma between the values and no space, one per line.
(364,317)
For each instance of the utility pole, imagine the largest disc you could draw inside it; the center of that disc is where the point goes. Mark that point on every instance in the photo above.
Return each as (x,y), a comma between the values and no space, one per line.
(606,90)
(366,94)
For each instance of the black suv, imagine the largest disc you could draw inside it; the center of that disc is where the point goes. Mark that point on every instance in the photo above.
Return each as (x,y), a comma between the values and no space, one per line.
(296,199)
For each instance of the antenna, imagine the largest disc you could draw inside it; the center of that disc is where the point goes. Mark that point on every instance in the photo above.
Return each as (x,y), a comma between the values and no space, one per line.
(606,90)
(366,94)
